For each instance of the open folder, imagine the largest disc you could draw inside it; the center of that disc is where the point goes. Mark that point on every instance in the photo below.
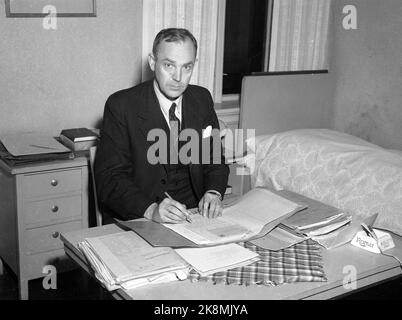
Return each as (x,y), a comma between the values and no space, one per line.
(252,215)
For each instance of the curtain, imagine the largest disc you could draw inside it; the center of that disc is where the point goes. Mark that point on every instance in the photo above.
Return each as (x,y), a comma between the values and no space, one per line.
(198,16)
(299,38)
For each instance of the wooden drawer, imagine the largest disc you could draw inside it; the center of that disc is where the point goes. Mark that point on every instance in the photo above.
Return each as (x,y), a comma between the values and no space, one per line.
(32,266)
(48,238)
(51,182)
(54,209)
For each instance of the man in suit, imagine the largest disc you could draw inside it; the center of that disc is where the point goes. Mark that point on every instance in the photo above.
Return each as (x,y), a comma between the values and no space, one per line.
(131,186)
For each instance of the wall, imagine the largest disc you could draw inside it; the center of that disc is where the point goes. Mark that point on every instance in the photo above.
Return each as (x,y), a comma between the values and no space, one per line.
(54,79)
(367,65)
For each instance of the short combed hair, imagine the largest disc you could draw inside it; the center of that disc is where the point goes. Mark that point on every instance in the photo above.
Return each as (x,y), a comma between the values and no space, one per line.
(173,35)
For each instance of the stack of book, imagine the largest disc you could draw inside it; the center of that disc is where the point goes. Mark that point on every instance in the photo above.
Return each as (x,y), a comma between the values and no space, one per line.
(78,139)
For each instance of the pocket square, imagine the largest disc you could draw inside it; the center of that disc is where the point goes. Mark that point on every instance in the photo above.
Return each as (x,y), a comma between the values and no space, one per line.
(206,133)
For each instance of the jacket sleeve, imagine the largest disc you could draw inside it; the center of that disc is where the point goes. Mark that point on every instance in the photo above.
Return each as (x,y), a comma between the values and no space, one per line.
(113,168)
(216,173)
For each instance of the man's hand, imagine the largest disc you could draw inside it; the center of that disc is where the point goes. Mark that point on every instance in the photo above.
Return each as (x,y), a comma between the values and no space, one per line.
(169,211)
(210,205)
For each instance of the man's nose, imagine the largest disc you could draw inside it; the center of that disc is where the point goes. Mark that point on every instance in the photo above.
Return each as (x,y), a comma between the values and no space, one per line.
(177,75)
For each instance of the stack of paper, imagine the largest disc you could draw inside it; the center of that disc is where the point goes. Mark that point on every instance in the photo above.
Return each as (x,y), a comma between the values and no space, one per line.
(125,260)
(30,147)
(206,261)
(254,214)
(317,219)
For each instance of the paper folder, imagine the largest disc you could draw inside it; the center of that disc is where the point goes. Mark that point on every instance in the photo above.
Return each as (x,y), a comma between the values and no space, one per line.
(158,235)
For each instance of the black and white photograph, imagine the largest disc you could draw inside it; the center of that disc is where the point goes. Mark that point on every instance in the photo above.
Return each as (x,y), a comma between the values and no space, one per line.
(200,157)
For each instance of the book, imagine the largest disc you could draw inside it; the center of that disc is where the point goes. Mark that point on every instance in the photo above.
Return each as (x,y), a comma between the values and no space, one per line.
(79,134)
(125,260)
(251,216)
(79,138)
(209,260)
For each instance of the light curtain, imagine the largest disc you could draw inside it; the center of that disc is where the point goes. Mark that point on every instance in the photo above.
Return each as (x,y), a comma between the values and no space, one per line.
(198,16)
(299,36)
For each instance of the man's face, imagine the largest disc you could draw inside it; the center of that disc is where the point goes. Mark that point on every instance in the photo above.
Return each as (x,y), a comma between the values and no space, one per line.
(173,67)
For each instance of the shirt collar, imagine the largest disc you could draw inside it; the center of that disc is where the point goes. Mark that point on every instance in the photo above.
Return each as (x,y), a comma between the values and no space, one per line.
(165,103)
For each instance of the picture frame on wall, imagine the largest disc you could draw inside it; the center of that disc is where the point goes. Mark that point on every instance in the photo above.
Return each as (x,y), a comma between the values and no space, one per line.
(41,9)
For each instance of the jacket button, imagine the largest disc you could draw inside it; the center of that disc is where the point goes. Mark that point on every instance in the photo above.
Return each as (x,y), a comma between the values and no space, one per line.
(163,181)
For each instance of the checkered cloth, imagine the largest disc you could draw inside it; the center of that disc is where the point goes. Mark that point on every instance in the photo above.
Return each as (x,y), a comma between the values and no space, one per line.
(299,263)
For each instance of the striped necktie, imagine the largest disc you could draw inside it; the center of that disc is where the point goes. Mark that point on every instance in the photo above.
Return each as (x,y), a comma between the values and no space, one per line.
(174,128)
(173,120)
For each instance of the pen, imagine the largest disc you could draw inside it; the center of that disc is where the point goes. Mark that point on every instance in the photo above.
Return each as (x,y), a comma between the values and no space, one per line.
(369,230)
(188,217)
(373,233)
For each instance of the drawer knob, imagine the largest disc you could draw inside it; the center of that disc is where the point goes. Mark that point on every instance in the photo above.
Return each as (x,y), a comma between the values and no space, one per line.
(55,208)
(55,234)
(54,182)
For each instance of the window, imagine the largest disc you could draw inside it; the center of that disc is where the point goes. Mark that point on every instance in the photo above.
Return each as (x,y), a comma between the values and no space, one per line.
(268,36)
(244,47)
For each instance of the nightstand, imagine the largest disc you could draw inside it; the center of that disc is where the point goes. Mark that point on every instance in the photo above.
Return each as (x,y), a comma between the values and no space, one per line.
(37,203)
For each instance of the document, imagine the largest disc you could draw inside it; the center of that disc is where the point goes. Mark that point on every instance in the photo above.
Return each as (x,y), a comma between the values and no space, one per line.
(210,260)
(126,260)
(317,219)
(344,234)
(31,143)
(279,238)
(253,215)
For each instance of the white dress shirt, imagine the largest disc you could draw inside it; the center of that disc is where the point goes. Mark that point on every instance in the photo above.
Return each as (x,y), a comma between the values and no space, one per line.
(165,104)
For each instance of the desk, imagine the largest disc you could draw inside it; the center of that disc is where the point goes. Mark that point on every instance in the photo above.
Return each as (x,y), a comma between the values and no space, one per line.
(340,262)
(39,201)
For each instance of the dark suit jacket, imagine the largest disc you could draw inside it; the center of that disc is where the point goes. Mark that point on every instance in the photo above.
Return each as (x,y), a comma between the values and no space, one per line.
(127,184)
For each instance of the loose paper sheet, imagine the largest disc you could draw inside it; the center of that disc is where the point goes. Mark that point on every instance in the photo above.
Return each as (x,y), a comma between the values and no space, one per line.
(210,260)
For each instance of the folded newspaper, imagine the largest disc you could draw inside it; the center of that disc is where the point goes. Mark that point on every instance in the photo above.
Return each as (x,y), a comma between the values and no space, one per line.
(125,260)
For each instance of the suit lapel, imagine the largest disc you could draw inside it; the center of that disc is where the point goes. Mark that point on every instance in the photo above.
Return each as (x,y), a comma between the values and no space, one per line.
(190,118)
(151,117)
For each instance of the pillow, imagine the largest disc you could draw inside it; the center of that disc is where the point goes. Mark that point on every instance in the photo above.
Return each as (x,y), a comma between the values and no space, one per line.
(335,168)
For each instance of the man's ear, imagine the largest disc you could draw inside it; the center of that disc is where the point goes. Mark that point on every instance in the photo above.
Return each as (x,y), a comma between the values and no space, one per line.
(151,62)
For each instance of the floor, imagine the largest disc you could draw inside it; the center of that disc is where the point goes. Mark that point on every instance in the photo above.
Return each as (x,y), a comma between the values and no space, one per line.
(72,285)
(77,285)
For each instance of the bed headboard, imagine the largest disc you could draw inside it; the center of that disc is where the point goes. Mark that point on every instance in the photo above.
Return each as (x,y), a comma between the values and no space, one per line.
(278,102)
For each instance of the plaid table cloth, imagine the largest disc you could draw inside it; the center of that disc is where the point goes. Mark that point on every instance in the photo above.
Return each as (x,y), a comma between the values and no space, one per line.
(299,263)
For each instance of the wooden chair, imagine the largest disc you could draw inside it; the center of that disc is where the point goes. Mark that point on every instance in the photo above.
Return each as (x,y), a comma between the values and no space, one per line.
(92,153)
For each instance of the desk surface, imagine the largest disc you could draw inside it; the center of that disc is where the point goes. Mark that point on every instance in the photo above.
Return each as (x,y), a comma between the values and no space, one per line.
(339,263)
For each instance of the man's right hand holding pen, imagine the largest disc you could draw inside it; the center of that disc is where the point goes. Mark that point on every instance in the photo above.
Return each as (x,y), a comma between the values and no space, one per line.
(171,211)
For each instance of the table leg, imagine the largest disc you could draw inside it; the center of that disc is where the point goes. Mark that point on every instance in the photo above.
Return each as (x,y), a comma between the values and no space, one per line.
(23,286)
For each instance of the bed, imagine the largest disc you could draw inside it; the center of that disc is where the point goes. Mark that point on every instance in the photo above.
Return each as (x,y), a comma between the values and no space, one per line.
(296,149)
